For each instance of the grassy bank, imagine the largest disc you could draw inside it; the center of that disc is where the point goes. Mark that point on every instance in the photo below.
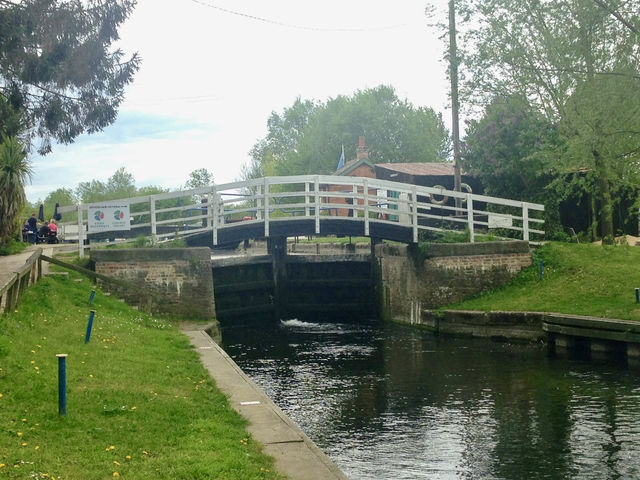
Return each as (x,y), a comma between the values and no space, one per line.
(578,278)
(140,404)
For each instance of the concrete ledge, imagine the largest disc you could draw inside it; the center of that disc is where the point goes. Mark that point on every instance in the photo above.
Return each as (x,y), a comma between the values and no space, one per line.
(519,326)
(295,454)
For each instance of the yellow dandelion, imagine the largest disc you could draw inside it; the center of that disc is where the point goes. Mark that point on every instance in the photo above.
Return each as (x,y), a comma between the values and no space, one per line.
(33,351)
(115,462)
(145,452)
(36,367)
(1,395)
(128,457)
(37,447)
(2,465)
(32,362)
(116,474)
(24,444)
(24,419)
(19,434)
(90,375)
(109,448)
(134,407)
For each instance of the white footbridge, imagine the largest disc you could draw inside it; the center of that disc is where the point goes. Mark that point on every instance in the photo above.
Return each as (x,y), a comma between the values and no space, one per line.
(309,205)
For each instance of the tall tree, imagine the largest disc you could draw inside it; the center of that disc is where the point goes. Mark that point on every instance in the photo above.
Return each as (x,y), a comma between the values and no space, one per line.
(59,74)
(15,170)
(120,185)
(395,131)
(553,53)
(200,177)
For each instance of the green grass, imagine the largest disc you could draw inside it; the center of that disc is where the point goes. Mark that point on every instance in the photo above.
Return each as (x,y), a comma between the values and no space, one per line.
(139,401)
(581,279)
(12,246)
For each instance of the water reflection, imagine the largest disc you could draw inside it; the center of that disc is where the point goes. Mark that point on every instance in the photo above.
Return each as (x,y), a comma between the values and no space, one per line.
(386,401)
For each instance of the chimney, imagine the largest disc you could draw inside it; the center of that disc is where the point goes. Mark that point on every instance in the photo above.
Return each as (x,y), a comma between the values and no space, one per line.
(362,151)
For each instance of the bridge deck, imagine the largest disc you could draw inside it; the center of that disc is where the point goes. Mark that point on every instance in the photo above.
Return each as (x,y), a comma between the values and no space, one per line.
(304,205)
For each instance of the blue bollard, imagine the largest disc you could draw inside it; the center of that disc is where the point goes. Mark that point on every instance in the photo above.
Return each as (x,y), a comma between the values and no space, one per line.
(541,269)
(92,296)
(62,383)
(637,295)
(89,326)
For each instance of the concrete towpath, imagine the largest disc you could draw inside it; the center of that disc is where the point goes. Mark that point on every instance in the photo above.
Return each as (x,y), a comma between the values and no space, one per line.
(10,264)
(295,454)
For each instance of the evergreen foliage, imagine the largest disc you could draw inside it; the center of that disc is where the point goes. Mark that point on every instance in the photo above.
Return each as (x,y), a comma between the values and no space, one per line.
(59,75)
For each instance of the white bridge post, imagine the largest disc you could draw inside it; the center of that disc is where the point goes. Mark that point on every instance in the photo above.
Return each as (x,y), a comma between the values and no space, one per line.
(212,213)
(306,199)
(365,192)
(81,232)
(152,214)
(414,210)
(316,191)
(525,221)
(470,218)
(266,206)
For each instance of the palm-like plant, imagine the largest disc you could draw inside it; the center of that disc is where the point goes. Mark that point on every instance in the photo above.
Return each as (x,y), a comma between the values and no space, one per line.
(15,169)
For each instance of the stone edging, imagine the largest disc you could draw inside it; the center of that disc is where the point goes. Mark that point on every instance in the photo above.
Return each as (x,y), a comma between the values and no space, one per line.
(295,454)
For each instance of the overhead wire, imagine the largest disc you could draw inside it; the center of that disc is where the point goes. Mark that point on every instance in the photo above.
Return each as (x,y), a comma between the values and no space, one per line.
(291,25)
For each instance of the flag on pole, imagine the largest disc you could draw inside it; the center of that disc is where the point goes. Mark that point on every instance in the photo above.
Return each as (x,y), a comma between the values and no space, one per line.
(341,161)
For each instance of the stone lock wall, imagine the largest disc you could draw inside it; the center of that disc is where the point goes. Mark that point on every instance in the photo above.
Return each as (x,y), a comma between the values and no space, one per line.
(179,280)
(450,273)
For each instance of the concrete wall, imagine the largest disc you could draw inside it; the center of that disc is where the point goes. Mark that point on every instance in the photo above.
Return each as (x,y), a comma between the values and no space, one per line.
(445,274)
(180,279)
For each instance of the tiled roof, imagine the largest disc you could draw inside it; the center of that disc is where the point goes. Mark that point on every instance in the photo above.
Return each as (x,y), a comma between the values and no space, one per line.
(417,168)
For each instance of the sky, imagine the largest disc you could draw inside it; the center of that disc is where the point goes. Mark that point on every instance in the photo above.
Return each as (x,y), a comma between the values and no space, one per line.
(213,71)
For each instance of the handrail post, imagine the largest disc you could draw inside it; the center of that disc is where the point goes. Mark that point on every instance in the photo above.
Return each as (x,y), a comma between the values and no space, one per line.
(306,199)
(152,214)
(354,201)
(316,191)
(414,211)
(266,206)
(525,221)
(470,218)
(213,206)
(259,210)
(365,192)
(80,232)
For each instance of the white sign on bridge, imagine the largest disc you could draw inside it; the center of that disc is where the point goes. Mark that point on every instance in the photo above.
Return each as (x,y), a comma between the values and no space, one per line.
(106,217)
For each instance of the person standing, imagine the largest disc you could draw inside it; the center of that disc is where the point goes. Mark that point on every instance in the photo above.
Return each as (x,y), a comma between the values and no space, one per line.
(33,227)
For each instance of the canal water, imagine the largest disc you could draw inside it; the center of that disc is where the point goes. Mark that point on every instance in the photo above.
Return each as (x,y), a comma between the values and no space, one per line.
(391,402)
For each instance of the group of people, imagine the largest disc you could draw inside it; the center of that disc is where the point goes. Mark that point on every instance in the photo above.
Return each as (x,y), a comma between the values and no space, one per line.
(37,232)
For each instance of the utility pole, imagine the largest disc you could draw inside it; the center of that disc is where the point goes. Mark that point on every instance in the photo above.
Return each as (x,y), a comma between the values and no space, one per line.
(455,103)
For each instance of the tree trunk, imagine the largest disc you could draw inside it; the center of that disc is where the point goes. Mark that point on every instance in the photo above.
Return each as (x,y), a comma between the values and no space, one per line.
(606,205)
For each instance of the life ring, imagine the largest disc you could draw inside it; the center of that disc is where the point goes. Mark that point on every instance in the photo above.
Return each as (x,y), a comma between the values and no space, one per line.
(467,187)
(442,201)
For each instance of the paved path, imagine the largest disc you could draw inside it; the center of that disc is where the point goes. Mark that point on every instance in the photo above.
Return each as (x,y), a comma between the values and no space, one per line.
(9,264)
(295,454)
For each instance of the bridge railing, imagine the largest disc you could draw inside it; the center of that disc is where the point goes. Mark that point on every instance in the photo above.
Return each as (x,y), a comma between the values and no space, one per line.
(321,197)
